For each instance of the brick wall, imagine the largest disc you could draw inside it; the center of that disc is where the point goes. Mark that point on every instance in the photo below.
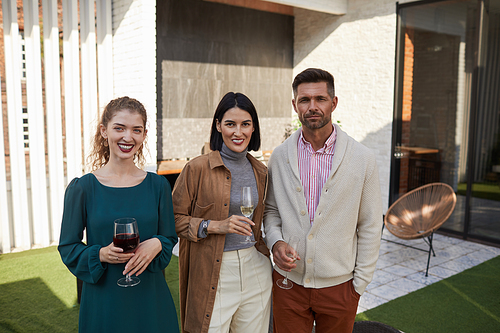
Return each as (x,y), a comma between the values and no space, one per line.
(407,107)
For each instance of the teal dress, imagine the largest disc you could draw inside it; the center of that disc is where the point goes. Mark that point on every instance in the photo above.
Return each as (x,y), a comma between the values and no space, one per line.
(106,307)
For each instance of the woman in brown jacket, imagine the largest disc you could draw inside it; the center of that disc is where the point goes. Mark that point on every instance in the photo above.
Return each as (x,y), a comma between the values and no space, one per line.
(225,272)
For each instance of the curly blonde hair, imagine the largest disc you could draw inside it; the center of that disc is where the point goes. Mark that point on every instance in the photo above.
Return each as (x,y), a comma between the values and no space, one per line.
(99,151)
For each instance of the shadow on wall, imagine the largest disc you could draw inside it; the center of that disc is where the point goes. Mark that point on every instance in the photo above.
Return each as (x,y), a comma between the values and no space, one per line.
(120,13)
(319,26)
(379,142)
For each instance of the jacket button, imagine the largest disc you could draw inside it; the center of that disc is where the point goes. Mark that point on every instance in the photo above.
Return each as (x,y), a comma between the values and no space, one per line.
(309,260)
(308,280)
(310,237)
(227,177)
(208,315)
(302,212)
(298,189)
(225,204)
(213,288)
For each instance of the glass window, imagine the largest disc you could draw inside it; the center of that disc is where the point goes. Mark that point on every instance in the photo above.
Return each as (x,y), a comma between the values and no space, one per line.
(447,110)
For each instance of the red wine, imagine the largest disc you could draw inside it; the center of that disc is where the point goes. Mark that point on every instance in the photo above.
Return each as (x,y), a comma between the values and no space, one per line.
(128,242)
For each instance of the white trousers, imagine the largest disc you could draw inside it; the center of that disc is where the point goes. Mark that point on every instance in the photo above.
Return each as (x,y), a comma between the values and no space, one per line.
(243,298)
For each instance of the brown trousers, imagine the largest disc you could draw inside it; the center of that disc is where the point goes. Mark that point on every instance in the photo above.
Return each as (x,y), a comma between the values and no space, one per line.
(295,310)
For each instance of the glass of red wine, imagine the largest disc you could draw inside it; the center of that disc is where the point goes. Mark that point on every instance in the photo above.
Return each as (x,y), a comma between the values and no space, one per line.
(126,236)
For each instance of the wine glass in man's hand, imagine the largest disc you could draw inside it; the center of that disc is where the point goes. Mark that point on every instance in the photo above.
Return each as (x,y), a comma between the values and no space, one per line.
(291,252)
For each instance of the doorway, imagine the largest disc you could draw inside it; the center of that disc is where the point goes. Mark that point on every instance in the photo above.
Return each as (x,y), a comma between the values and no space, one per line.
(447,110)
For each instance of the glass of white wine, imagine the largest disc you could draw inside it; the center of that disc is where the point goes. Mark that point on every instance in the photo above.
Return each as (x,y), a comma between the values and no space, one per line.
(291,252)
(247,207)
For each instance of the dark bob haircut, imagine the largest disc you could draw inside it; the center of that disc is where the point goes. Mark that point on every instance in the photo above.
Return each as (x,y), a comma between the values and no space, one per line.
(314,75)
(229,101)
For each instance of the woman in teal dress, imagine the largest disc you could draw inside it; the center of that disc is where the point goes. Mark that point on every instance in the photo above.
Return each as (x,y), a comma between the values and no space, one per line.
(118,188)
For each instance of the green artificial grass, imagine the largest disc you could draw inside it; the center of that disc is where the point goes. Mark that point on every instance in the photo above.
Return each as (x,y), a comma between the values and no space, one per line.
(172,277)
(466,302)
(489,191)
(38,293)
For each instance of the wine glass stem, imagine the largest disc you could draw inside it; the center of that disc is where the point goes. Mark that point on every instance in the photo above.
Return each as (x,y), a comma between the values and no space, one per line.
(127,278)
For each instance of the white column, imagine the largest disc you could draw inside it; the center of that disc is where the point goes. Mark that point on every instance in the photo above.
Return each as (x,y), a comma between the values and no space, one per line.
(71,51)
(20,214)
(104,52)
(53,107)
(36,128)
(4,207)
(89,76)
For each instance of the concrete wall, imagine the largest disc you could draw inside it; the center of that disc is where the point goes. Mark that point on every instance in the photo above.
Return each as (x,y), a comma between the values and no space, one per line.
(358,49)
(208,49)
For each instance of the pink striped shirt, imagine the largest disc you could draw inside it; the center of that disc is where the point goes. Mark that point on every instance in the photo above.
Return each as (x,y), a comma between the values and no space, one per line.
(314,169)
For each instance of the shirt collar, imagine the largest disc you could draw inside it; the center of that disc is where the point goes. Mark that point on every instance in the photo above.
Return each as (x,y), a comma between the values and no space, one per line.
(329,146)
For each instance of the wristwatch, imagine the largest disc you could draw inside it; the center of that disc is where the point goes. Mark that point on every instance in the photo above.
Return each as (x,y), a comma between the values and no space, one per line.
(204,227)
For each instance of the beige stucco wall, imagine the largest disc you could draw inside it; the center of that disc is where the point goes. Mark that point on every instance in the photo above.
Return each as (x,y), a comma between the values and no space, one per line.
(359,50)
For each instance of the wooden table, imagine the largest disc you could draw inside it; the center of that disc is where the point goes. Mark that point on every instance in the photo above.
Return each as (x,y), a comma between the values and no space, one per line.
(171,167)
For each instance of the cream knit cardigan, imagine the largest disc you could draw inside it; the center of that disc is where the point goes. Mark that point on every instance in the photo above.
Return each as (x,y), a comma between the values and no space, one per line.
(344,239)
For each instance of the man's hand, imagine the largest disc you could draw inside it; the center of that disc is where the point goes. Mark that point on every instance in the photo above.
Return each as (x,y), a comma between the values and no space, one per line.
(281,259)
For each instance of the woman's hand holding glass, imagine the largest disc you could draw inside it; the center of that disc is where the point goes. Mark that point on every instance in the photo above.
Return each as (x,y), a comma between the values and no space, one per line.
(114,255)
(234,224)
(144,254)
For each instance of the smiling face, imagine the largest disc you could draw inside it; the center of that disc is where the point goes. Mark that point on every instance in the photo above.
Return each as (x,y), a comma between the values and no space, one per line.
(236,128)
(313,105)
(125,134)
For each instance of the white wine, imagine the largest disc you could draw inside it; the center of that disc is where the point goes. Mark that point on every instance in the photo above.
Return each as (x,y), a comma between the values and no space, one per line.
(246,210)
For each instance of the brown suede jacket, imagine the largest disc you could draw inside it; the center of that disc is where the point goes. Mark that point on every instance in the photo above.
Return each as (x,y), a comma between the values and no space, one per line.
(202,192)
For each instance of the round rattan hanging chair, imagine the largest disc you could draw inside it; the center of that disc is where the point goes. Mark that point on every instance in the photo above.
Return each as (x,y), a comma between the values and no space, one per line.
(420,212)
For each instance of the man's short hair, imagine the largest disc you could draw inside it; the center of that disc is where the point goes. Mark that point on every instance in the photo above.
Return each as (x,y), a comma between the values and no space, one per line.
(314,75)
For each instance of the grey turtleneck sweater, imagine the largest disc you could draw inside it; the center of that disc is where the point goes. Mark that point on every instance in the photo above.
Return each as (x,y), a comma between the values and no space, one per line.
(241,175)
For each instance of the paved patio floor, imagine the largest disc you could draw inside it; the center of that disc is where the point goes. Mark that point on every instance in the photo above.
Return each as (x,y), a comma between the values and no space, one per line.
(401,270)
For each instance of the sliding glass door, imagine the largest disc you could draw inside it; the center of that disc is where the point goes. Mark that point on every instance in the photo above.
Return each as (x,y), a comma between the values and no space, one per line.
(446,122)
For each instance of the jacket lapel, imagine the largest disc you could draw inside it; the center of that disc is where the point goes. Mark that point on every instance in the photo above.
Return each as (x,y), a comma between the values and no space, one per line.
(291,153)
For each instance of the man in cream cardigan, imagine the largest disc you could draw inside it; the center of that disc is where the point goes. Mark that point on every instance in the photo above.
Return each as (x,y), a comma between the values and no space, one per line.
(324,188)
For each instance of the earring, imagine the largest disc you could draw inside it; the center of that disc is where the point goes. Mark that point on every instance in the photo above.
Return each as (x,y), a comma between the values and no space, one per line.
(106,143)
